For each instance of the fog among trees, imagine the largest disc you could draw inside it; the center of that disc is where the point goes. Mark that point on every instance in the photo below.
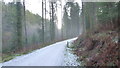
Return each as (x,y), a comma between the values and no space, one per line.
(24,31)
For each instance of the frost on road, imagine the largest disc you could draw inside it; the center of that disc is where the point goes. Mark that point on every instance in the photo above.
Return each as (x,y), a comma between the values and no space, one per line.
(52,55)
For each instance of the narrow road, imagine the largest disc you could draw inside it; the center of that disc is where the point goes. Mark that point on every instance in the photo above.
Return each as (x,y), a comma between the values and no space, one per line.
(52,55)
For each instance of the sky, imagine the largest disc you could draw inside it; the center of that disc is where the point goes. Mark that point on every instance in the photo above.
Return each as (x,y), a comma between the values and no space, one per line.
(35,6)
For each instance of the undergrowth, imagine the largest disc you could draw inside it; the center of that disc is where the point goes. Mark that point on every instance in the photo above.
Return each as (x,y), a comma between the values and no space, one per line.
(11,55)
(98,49)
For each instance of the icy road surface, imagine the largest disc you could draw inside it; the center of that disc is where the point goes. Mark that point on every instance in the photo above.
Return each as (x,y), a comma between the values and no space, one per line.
(52,55)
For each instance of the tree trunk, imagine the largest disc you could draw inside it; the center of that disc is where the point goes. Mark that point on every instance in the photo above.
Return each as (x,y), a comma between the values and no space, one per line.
(42,22)
(52,24)
(25,23)
(19,25)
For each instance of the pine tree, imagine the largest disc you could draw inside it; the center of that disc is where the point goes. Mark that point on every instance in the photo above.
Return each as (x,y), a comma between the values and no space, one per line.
(19,25)
(42,21)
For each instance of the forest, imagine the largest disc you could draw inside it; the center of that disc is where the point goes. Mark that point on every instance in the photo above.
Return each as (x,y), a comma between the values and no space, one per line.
(23,31)
(98,45)
(95,24)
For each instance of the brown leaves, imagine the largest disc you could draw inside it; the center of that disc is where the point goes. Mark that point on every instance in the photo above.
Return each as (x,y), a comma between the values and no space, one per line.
(100,50)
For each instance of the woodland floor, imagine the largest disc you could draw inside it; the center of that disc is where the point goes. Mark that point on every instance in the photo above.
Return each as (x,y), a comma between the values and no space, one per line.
(98,49)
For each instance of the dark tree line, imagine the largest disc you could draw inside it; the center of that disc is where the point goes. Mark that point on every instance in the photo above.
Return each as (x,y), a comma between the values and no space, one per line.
(100,15)
(71,22)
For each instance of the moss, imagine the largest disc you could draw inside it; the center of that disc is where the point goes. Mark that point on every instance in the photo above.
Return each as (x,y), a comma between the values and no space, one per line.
(111,64)
(9,57)
(0,59)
